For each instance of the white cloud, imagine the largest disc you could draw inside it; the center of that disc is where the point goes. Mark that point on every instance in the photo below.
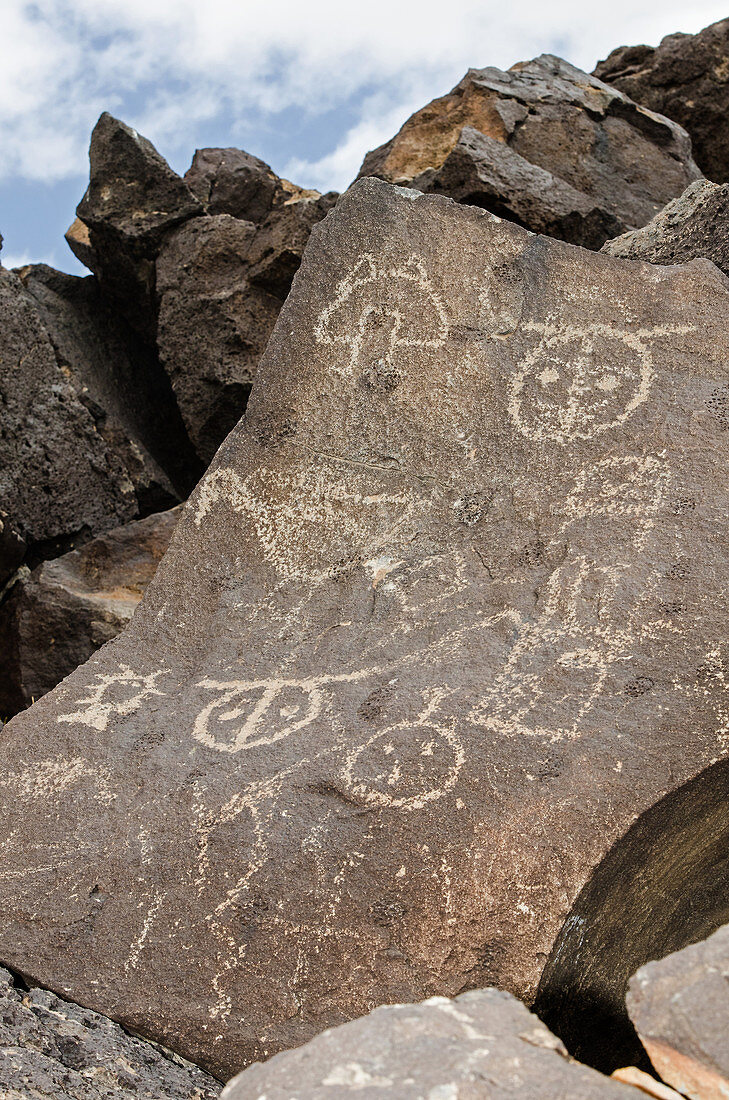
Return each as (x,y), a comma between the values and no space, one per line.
(168,66)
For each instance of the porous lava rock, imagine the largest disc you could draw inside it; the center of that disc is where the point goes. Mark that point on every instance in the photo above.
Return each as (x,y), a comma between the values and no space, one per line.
(133,199)
(56,616)
(221,282)
(696,224)
(680,1009)
(544,145)
(51,1049)
(484,1043)
(686,78)
(446,615)
(231,181)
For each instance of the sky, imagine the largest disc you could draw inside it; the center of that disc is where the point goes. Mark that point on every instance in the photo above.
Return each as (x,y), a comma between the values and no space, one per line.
(309,86)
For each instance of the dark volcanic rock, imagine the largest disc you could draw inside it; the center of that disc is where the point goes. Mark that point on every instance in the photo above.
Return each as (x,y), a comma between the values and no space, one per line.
(57,616)
(12,548)
(680,1008)
(231,181)
(133,199)
(221,282)
(482,1044)
(696,224)
(59,476)
(51,1049)
(445,616)
(687,79)
(119,381)
(544,145)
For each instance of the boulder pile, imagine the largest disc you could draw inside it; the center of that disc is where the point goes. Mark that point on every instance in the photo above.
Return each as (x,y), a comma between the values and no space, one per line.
(364,560)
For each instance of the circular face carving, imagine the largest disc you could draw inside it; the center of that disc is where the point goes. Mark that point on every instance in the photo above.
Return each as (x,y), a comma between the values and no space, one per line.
(405,766)
(576,384)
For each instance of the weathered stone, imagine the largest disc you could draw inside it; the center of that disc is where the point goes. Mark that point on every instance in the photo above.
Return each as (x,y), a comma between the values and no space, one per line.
(680,1008)
(231,181)
(57,616)
(696,224)
(482,1044)
(51,1049)
(687,79)
(445,616)
(544,145)
(12,548)
(58,475)
(132,201)
(631,1075)
(221,282)
(79,241)
(119,381)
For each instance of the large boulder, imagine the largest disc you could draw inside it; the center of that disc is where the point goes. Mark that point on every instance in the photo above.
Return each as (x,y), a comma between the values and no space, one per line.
(56,616)
(133,199)
(696,224)
(482,1044)
(444,618)
(686,78)
(221,282)
(51,1049)
(680,1008)
(544,145)
(231,181)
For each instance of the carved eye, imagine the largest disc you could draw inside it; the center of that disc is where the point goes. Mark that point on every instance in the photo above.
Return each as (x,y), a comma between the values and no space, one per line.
(608,383)
(549,375)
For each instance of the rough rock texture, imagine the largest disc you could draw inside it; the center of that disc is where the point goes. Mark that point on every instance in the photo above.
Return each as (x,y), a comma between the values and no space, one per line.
(482,1044)
(687,79)
(58,474)
(51,1049)
(133,199)
(544,145)
(57,616)
(445,616)
(231,181)
(119,382)
(221,282)
(12,548)
(696,224)
(680,1008)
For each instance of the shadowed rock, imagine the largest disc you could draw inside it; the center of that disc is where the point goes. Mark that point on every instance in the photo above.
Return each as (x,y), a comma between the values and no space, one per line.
(445,616)
(680,1009)
(481,1044)
(57,616)
(51,1049)
(696,224)
(544,145)
(687,79)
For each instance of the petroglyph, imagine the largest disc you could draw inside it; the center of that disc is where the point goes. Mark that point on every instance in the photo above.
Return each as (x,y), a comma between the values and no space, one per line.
(115,694)
(408,764)
(379,309)
(287,510)
(581,380)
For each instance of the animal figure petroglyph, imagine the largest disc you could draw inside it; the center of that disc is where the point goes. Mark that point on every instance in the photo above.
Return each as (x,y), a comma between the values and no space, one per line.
(115,694)
(580,380)
(378,309)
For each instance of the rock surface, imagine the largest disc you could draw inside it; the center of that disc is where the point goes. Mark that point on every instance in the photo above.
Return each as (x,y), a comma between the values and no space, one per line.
(482,1044)
(687,79)
(680,1008)
(54,618)
(696,224)
(51,1049)
(544,145)
(444,617)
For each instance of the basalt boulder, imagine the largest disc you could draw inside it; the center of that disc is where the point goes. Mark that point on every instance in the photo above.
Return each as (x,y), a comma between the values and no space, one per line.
(444,622)
(544,145)
(51,1049)
(696,224)
(56,616)
(686,78)
(482,1044)
(680,1008)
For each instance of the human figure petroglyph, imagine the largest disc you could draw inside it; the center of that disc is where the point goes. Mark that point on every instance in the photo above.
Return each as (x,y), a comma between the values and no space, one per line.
(115,694)
(378,309)
(580,380)
(558,666)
